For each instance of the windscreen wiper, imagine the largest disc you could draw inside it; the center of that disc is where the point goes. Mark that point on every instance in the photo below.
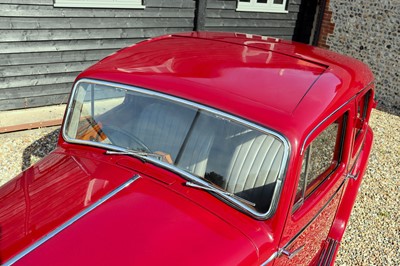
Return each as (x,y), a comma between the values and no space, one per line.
(222,193)
(140,154)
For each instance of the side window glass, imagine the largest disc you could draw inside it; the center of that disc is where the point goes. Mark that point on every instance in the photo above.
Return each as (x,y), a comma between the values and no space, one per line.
(301,186)
(320,159)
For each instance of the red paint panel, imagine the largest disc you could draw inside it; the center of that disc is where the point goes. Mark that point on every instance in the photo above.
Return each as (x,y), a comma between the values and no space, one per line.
(48,194)
(264,75)
(145,224)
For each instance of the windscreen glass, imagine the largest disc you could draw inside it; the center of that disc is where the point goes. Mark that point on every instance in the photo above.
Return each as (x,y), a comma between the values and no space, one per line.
(233,156)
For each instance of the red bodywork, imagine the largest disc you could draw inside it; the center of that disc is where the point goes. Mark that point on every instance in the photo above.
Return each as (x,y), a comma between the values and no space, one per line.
(288,87)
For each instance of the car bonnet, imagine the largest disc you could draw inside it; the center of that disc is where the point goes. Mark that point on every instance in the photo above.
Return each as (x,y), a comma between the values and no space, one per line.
(70,209)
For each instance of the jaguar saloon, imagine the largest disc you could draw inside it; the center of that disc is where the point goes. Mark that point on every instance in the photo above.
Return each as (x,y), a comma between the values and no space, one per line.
(198,148)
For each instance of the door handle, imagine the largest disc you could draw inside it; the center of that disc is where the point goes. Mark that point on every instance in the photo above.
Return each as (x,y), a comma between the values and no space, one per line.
(291,254)
(353,176)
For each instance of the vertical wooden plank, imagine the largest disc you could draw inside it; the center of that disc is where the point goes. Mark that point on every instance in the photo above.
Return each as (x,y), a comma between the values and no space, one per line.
(200,15)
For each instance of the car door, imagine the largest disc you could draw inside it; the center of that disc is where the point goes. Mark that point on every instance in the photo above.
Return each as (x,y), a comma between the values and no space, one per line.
(363,104)
(318,192)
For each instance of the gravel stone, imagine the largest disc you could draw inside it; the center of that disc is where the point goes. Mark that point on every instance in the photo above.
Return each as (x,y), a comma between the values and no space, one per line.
(373,233)
(19,150)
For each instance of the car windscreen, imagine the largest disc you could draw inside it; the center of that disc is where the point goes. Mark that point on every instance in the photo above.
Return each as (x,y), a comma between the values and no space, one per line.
(235,156)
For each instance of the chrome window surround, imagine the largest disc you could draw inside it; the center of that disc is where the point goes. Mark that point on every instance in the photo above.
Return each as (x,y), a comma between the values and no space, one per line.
(331,114)
(70,221)
(233,202)
(342,137)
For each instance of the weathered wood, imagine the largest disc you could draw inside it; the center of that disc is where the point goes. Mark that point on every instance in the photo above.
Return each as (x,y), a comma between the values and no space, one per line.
(287,37)
(14,23)
(227,13)
(49,11)
(83,34)
(211,22)
(147,3)
(20,127)
(222,4)
(12,104)
(34,91)
(260,31)
(52,46)
(53,57)
(35,80)
(43,48)
(41,69)
(29,2)
(294,8)
(170,3)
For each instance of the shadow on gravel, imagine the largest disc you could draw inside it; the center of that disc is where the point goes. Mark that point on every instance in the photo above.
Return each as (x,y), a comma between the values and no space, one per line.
(394,110)
(40,148)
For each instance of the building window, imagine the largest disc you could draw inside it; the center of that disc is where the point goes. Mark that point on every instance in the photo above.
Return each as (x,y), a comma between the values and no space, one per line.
(274,6)
(99,3)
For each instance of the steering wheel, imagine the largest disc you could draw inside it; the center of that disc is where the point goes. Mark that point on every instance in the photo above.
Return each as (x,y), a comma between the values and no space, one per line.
(123,138)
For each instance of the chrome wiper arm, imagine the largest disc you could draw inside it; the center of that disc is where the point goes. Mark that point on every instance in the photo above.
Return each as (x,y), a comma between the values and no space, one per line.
(220,192)
(140,154)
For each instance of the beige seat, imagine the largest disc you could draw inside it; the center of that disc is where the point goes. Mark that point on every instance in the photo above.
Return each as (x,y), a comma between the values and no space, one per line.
(254,168)
(195,154)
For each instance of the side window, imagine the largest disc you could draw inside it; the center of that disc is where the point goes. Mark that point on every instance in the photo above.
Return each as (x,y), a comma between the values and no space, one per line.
(320,159)
(362,108)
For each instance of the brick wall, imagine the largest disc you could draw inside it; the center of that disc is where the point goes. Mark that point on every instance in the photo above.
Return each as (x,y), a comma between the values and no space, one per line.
(369,31)
(327,26)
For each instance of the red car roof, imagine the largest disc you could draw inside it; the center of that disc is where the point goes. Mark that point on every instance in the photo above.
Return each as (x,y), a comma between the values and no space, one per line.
(261,79)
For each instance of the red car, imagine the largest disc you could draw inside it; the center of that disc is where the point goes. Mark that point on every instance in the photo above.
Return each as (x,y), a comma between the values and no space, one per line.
(198,149)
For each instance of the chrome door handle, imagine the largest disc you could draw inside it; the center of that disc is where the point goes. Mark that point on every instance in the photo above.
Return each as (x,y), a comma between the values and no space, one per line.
(291,254)
(353,176)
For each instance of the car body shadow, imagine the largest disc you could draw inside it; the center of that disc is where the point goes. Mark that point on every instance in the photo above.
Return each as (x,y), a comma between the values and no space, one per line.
(40,148)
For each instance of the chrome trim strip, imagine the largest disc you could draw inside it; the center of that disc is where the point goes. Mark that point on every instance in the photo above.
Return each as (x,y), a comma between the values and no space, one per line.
(273,256)
(315,217)
(70,221)
(322,256)
(332,251)
(329,116)
(327,255)
(323,121)
(236,203)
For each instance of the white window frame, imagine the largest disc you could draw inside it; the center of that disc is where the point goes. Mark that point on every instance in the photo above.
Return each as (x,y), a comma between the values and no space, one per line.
(100,3)
(269,6)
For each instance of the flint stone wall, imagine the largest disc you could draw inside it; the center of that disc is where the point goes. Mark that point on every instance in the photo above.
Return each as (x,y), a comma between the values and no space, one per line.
(369,30)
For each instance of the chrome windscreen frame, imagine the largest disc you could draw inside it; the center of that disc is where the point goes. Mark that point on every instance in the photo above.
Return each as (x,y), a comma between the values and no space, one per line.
(233,202)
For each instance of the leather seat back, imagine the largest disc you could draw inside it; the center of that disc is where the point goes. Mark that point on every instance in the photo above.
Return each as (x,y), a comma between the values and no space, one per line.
(254,167)
(195,154)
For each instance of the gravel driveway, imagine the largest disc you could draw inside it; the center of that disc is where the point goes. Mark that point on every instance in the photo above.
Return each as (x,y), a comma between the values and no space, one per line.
(372,237)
